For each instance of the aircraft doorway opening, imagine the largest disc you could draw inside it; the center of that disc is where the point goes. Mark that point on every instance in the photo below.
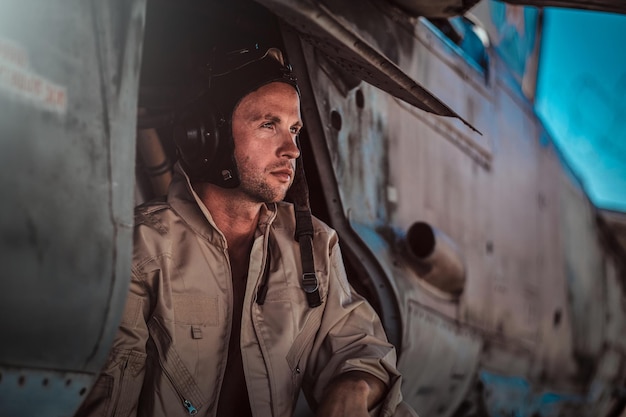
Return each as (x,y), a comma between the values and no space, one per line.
(177,38)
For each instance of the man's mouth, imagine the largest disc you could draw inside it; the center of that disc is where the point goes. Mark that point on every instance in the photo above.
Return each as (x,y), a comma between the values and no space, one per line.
(284,175)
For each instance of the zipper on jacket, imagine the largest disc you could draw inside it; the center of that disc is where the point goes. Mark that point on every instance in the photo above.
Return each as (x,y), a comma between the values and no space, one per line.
(190,408)
(159,336)
(186,403)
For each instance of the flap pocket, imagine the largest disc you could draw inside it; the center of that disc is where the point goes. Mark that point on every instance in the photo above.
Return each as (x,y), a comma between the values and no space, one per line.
(130,382)
(116,391)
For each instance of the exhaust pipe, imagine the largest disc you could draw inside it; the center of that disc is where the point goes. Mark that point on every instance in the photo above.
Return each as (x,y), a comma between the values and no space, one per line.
(436,258)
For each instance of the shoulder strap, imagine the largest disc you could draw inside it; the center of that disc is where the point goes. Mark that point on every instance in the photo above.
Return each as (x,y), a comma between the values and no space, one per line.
(304,234)
(299,194)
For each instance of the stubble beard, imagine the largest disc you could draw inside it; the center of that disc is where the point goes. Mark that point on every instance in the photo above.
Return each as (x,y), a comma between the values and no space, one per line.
(256,187)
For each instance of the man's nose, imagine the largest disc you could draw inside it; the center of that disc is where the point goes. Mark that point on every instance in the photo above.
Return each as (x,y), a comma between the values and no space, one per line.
(289,147)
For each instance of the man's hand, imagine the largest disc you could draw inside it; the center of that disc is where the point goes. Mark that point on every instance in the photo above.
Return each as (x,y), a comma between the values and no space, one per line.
(351,395)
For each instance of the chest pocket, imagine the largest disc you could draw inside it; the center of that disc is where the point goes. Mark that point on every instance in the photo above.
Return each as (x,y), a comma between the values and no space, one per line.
(196,320)
(195,311)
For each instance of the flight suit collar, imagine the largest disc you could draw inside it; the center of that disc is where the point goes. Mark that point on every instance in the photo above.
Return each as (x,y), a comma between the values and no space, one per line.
(186,202)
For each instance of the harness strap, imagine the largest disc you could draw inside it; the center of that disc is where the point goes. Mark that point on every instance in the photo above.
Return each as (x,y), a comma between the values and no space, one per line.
(304,233)
(299,194)
(304,236)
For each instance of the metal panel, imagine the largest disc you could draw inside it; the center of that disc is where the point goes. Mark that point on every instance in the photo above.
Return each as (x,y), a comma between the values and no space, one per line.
(41,393)
(438,363)
(68,91)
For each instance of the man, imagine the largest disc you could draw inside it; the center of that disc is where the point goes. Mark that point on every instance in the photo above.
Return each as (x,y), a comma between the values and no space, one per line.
(219,321)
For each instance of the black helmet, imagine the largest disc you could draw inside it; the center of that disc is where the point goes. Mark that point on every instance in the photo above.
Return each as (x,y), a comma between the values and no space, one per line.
(203,135)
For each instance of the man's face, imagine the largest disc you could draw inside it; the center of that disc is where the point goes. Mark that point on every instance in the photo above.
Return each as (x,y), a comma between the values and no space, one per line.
(265,125)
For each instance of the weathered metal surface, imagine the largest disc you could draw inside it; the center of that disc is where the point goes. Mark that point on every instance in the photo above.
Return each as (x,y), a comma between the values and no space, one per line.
(438,363)
(510,395)
(535,262)
(357,50)
(39,392)
(68,89)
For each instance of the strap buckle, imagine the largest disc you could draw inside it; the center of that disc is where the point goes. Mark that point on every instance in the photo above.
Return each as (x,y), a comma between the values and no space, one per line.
(310,283)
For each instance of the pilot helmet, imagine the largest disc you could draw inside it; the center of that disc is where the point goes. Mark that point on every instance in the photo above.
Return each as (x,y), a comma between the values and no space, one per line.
(203,135)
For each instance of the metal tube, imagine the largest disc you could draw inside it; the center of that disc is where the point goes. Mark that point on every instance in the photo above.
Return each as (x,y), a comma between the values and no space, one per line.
(436,258)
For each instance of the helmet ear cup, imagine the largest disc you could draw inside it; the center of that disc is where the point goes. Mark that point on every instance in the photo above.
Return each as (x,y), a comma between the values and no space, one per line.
(205,148)
(196,141)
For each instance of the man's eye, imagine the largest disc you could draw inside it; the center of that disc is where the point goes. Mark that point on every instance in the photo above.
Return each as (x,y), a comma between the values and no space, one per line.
(268,125)
(295,130)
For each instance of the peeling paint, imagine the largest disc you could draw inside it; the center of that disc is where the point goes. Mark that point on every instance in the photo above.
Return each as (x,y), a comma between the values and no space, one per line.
(19,80)
(513,396)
